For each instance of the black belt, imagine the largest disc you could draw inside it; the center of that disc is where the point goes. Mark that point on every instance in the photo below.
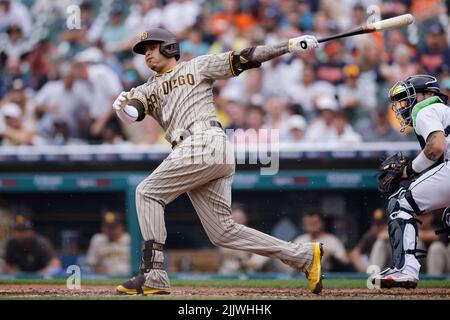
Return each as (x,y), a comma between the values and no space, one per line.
(187,132)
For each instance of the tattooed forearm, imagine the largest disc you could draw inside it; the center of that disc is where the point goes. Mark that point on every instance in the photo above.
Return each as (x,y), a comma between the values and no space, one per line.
(265,53)
(430,147)
(430,154)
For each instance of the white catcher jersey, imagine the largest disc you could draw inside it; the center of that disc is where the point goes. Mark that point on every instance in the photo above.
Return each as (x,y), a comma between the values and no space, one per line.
(428,118)
(183,95)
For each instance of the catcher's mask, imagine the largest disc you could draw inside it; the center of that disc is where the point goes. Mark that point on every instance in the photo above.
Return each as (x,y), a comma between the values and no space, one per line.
(403,96)
(169,45)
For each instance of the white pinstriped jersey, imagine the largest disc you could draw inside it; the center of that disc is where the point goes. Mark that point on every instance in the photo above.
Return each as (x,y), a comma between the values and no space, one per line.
(183,95)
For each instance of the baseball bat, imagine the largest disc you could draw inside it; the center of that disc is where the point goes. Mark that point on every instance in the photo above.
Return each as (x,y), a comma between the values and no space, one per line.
(386,24)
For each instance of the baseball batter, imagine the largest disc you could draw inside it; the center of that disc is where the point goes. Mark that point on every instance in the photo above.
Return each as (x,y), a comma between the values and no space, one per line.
(418,102)
(202,162)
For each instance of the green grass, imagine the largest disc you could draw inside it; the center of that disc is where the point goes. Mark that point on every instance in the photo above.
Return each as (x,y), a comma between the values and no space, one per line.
(230,283)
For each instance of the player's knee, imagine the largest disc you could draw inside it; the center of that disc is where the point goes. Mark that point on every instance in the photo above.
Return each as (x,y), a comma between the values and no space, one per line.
(217,239)
(225,234)
(141,190)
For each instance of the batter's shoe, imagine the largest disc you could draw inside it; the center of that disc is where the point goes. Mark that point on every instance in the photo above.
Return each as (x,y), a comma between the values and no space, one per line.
(135,286)
(314,272)
(393,278)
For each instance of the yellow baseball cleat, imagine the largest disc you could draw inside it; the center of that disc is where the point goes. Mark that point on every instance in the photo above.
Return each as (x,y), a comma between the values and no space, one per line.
(135,286)
(314,272)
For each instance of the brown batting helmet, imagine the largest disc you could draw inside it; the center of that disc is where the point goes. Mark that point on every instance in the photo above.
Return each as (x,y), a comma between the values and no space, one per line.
(169,44)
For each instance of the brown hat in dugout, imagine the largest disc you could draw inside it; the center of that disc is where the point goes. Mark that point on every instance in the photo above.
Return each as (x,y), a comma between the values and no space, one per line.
(111,218)
(379,216)
(21,222)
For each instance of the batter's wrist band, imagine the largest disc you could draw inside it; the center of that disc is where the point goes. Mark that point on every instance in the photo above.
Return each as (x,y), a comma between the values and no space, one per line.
(131,112)
(421,163)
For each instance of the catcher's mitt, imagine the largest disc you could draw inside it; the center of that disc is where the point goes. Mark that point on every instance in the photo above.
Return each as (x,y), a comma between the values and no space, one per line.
(391,171)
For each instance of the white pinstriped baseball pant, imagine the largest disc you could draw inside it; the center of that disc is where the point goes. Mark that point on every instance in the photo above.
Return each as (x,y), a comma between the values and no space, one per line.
(203,166)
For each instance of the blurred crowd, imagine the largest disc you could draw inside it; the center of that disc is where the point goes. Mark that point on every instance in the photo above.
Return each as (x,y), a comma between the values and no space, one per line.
(62,64)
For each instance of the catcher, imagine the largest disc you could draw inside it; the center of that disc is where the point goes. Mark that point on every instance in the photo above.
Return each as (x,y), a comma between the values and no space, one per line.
(417,102)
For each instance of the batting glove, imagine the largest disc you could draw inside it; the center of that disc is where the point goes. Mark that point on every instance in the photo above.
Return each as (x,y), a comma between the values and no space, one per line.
(302,44)
(121,101)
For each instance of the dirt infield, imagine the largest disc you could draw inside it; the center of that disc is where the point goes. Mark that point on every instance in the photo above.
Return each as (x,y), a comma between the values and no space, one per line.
(42,291)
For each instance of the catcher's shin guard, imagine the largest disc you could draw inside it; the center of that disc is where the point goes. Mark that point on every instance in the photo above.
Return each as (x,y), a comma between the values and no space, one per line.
(402,227)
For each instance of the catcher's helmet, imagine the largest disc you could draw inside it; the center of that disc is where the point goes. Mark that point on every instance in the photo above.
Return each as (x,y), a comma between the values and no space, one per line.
(403,95)
(169,44)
